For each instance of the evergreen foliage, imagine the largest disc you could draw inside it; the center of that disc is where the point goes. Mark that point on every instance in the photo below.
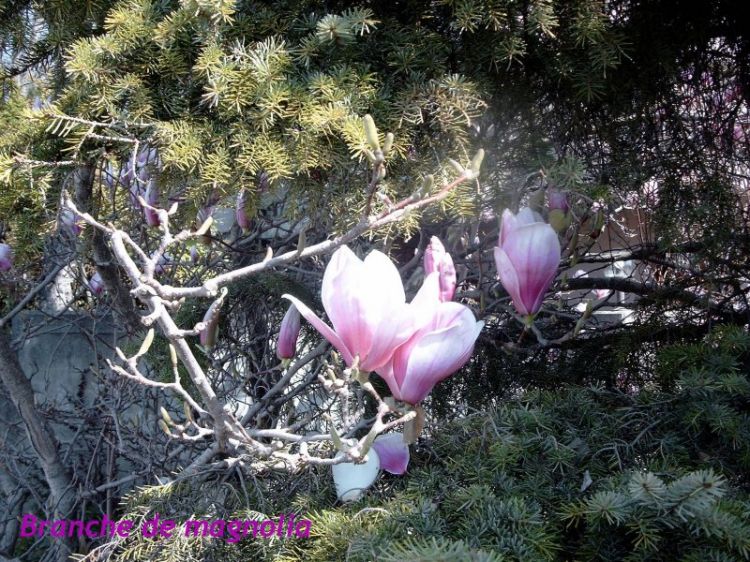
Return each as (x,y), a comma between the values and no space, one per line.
(575,473)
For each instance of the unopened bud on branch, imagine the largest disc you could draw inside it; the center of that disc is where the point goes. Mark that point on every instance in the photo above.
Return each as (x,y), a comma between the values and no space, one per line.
(243,220)
(436,259)
(371,132)
(6,257)
(96,284)
(388,144)
(288,334)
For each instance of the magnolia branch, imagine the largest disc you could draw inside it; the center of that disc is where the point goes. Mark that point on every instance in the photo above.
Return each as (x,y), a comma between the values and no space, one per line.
(227,429)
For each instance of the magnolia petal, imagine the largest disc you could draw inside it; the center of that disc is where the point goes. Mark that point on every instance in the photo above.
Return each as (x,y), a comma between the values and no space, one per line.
(383,274)
(508,224)
(394,329)
(393,452)
(242,218)
(386,373)
(447,279)
(509,279)
(424,302)
(342,299)
(365,301)
(527,216)
(433,255)
(385,309)
(352,480)
(322,327)
(152,199)
(417,314)
(438,352)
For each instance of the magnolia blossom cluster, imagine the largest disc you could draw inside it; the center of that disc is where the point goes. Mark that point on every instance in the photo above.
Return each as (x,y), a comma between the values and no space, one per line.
(412,346)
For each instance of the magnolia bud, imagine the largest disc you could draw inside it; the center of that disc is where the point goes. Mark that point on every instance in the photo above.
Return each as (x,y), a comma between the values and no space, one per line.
(165,428)
(162,263)
(388,144)
(288,334)
(437,259)
(559,210)
(146,155)
(210,332)
(152,199)
(126,174)
(165,416)
(557,200)
(6,257)
(96,284)
(476,163)
(264,182)
(69,221)
(371,132)
(110,176)
(241,213)
(456,166)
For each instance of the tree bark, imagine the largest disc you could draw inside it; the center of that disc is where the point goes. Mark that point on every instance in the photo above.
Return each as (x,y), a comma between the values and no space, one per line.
(62,498)
(106,264)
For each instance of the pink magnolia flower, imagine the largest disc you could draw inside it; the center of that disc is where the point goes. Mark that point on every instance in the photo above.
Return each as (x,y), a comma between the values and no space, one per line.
(527,258)
(288,334)
(365,301)
(6,257)
(436,259)
(393,452)
(96,284)
(441,344)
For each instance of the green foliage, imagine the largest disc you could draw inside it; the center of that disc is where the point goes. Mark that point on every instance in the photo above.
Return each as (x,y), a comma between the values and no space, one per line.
(575,473)
(227,90)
